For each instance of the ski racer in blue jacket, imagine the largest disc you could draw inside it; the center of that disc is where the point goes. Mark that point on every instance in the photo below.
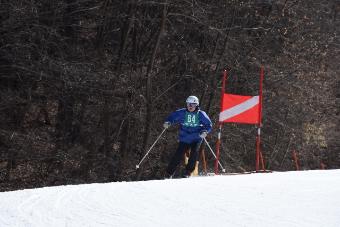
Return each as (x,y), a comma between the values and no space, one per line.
(194,126)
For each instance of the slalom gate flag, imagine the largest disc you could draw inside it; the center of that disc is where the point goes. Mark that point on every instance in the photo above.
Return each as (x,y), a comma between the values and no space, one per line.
(240,109)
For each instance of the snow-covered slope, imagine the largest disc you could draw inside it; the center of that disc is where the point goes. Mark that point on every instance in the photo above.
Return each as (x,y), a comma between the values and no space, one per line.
(303,199)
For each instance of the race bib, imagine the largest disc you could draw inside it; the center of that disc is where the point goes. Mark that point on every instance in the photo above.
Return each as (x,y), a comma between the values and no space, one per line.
(191,119)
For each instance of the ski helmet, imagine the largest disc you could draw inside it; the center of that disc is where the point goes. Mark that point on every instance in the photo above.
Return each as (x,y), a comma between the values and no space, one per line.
(192,99)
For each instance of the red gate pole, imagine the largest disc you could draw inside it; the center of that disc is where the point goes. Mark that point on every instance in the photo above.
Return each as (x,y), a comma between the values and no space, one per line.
(262,161)
(296,160)
(258,138)
(218,143)
(257,150)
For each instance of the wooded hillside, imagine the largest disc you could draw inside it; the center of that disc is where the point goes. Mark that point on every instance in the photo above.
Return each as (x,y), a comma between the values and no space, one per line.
(86,85)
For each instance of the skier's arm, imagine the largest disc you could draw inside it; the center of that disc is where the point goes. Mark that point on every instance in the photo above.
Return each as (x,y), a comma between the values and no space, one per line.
(206,122)
(174,117)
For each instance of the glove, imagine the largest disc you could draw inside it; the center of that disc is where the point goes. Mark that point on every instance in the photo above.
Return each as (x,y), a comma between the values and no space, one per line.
(166,124)
(203,134)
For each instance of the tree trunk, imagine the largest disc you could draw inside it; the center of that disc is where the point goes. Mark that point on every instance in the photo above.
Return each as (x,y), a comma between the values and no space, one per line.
(125,34)
(148,117)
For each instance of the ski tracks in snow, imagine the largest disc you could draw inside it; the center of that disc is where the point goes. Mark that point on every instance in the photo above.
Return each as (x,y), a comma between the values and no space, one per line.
(297,199)
(58,206)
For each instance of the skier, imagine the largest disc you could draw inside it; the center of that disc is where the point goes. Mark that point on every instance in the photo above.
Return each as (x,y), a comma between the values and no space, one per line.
(194,126)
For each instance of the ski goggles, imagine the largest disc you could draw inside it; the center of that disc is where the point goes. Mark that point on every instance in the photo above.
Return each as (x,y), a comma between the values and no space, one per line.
(192,104)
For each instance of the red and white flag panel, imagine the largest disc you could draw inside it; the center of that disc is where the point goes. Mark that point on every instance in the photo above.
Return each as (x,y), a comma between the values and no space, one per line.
(240,109)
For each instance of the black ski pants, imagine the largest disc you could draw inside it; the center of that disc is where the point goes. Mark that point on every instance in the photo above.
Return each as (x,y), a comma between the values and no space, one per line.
(179,154)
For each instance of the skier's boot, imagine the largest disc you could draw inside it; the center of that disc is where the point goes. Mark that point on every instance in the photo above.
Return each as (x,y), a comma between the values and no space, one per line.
(168,175)
(186,174)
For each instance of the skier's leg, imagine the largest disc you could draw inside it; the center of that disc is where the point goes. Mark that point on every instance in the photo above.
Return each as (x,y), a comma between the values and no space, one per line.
(176,158)
(195,146)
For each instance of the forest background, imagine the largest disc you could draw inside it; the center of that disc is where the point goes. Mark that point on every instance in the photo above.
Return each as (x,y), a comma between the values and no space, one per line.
(86,85)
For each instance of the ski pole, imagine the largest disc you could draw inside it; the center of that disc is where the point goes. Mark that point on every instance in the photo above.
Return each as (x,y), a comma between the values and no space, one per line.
(223,169)
(137,166)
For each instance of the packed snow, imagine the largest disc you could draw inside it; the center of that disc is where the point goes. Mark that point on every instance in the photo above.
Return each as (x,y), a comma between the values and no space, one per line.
(302,199)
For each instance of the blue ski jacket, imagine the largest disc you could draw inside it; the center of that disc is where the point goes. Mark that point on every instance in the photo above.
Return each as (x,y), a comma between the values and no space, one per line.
(191,124)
